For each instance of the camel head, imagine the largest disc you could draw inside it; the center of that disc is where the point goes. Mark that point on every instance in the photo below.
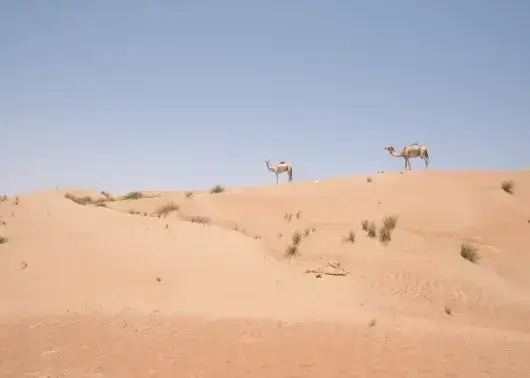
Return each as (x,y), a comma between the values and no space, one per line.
(390,149)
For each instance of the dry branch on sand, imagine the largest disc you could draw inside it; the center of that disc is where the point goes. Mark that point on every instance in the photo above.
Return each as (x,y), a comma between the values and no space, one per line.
(338,270)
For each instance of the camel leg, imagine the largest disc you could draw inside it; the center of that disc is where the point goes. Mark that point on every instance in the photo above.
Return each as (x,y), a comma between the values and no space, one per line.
(276,178)
(426,163)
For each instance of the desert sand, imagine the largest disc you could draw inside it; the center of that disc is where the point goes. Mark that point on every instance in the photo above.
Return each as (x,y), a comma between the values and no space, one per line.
(113,289)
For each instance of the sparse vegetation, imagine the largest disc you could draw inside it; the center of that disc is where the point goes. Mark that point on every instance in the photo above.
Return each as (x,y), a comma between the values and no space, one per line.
(292,250)
(384,235)
(132,211)
(166,209)
(350,238)
(307,231)
(188,195)
(16,201)
(217,189)
(280,235)
(371,230)
(257,237)
(101,204)
(448,310)
(85,200)
(297,237)
(288,217)
(299,214)
(3,240)
(508,186)
(368,179)
(372,322)
(132,196)
(200,220)
(469,252)
(390,222)
(364,225)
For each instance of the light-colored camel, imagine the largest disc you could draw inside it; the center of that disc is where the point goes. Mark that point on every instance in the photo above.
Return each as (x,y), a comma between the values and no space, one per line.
(411,151)
(280,167)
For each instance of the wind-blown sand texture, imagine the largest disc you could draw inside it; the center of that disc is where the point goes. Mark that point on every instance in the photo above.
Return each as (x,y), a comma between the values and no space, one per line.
(116,291)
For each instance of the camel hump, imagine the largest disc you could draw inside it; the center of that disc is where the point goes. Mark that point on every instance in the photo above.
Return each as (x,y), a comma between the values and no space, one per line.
(282,162)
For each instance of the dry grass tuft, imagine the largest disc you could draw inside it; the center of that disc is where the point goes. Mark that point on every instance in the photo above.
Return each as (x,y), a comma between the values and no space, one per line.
(292,250)
(350,238)
(390,222)
(448,311)
(364,224)
(469,252)
(288,217)
(3,240)
(200,220)
(384,235)
(368,179)
(217,189)
(508,186)
(372,322)
(307,232)
(299,214)
(132,196)
(17,200)
(188,195)
(166,209)
(297,237)
(134,212)
(371,230)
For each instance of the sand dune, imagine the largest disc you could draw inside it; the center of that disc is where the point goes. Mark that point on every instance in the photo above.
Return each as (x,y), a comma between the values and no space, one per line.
(112,288)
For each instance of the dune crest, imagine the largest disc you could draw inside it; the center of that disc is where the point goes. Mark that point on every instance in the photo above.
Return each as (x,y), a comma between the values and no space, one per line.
(430,258)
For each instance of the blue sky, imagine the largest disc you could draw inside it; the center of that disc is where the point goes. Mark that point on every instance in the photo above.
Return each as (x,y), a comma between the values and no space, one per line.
(126,95)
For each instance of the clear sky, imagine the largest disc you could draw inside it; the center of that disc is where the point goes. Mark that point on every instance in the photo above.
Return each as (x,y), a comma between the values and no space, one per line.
(127,95)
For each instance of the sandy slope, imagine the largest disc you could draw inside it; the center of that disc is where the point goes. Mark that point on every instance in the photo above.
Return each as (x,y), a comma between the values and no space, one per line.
(102,292)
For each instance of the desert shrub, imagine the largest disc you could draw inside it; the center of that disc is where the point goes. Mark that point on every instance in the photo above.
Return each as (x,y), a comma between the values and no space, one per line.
(132,196)
(217,189)
(167,208)
(508,186)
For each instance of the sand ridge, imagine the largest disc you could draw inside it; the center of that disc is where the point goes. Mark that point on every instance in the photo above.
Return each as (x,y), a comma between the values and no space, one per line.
(63,262)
